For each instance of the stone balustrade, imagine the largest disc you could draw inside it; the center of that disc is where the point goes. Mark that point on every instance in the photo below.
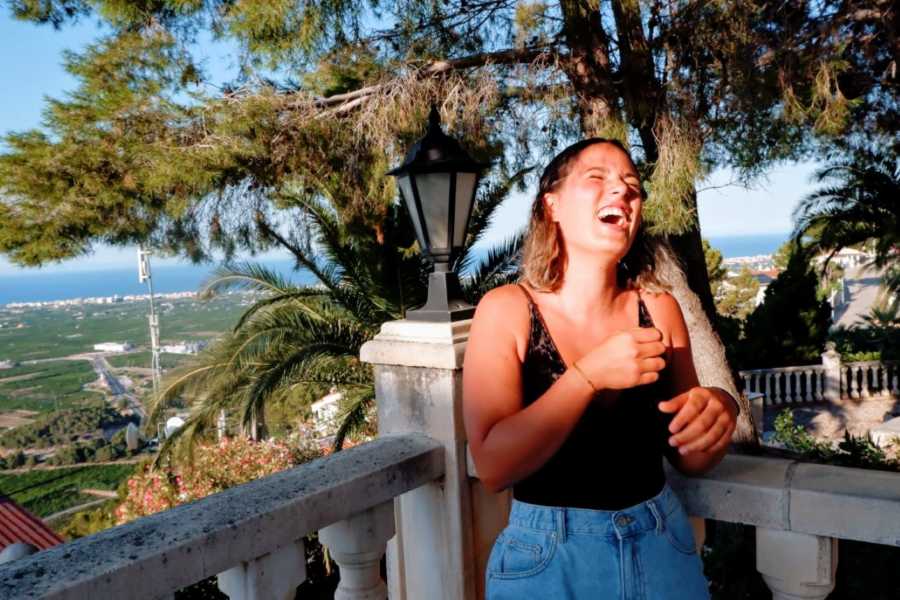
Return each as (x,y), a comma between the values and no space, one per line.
(833,380)
(800,511)
(251,535)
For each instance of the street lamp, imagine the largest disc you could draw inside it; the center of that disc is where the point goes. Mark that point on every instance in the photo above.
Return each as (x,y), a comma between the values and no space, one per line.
(437,181)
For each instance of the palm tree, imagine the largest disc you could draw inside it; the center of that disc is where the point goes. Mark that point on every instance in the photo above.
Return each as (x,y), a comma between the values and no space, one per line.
(296,336)
(860,206)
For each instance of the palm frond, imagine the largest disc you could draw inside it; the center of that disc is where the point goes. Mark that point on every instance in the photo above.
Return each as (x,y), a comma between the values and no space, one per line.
(353,418)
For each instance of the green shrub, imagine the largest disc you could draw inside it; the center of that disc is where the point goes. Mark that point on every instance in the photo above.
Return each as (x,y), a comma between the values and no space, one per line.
(853,451)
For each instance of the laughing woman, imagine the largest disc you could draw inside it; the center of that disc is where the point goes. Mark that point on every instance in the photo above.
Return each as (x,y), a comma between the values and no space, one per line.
(577,382)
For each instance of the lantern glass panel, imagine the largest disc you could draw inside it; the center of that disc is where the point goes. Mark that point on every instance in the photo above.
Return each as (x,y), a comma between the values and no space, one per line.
(406,191)
(434,192)
(465,187)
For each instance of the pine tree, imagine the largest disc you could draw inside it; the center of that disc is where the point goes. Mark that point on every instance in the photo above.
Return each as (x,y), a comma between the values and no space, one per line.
(791,325)
(330,93)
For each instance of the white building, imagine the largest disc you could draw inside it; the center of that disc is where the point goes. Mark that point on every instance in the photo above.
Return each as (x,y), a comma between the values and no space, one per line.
(113,347)
(847,257)
(183,348)
(325,412)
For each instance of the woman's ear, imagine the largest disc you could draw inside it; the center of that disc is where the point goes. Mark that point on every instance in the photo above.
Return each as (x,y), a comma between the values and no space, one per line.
(550,199)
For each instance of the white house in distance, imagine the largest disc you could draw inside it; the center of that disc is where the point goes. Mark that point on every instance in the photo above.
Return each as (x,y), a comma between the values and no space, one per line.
(114,347)
(325,411)
(847,257)
(183,347)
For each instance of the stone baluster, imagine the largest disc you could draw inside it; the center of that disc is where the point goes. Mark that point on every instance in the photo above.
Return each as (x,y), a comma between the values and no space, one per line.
(810,385)
(853,382)
(831,376)
(357,546)
(273,576)
(795,565)
(865,371)
(790,387)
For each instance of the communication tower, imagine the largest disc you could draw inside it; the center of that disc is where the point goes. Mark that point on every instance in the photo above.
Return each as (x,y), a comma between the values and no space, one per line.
(153,318)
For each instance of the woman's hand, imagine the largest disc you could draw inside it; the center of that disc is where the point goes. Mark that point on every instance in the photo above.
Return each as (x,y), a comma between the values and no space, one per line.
(625,359)
(705,420)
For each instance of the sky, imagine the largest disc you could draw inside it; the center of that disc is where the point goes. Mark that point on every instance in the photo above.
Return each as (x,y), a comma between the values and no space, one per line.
(31,69)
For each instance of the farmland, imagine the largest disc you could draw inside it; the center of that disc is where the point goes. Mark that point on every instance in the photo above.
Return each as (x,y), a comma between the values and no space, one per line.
(45,492)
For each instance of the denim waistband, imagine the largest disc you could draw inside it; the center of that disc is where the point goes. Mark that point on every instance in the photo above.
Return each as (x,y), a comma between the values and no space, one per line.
(646,515)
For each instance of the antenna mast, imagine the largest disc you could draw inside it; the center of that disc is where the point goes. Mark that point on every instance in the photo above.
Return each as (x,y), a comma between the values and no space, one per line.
(153,318)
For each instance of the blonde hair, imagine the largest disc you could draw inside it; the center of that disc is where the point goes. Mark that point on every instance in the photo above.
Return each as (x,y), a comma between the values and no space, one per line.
(543,253)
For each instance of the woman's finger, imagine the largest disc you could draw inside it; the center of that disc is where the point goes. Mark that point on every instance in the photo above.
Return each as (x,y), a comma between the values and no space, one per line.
(651,349)
(648,377)
(652,364)
(708,439)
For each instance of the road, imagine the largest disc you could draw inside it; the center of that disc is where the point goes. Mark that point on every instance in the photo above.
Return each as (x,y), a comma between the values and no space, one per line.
(104,372)
(862,286)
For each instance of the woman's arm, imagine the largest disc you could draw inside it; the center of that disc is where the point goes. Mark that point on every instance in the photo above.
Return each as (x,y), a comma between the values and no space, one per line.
(706,417)
(507,442)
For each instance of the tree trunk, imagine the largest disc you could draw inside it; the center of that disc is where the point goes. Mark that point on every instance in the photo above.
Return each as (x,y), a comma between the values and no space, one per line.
(690,287)
(643,102)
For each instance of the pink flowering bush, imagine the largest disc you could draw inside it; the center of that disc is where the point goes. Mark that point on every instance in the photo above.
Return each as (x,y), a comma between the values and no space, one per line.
(215,467)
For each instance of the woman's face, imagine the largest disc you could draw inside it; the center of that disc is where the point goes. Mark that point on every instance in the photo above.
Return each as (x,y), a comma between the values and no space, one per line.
(598,204)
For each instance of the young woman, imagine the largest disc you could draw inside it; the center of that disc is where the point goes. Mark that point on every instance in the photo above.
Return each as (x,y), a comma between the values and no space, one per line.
(577,381)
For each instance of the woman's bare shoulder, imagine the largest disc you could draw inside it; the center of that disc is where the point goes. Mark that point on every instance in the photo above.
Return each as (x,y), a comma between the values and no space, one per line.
(504,311)
(665,311)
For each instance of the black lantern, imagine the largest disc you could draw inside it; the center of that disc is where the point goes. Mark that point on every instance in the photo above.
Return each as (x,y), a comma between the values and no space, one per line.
(437,181)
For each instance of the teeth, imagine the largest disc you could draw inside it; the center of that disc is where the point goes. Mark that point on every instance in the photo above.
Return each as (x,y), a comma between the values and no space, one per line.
(612,210)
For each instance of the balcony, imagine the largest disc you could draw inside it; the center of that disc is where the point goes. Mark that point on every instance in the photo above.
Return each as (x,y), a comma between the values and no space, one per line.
(413,494)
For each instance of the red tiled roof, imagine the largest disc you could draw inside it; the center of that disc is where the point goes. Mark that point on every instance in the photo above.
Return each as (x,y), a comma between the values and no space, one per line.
(19,525)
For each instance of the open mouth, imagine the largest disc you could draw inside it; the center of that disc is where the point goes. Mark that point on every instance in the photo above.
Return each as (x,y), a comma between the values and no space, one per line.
(613,215)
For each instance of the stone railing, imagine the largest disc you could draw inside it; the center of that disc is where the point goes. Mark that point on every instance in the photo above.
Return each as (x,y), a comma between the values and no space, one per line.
(830,381)
(870,378)
(251,536)
(800,510)
(787,385)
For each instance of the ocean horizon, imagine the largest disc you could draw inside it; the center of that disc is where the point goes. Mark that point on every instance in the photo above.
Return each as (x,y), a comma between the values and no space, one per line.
(36,286)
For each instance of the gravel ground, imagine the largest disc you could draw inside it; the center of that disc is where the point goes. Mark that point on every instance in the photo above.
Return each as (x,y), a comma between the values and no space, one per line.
(829,421)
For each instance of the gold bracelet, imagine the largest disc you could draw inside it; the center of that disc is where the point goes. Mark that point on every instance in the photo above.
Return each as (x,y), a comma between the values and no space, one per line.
(586,378)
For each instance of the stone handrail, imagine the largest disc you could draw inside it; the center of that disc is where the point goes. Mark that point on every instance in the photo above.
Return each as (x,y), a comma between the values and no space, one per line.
(788,495)
(800,510)
(246,534)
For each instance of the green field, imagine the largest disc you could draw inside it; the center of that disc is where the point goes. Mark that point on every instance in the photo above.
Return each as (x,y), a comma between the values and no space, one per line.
(55,332)
(47,386)
(142,359)
(45,492)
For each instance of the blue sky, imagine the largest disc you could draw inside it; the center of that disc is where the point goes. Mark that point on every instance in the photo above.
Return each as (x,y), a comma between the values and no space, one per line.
(32,69)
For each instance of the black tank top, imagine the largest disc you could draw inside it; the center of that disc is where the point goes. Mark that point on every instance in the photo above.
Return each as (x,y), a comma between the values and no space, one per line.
(612,459)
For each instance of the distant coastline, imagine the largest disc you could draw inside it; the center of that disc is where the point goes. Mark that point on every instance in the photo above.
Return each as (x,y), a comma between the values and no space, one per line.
(43,287)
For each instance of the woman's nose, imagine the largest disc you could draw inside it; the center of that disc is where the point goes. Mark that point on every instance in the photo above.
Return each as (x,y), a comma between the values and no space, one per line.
(617,186)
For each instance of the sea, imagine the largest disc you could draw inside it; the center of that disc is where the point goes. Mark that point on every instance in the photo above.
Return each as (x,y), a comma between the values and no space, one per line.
(34,285)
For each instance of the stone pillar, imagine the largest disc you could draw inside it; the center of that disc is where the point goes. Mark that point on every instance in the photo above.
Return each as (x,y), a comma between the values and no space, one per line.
(795,565)
(418,386)
(357,545)
(831,361)
(273,576)
(757,400)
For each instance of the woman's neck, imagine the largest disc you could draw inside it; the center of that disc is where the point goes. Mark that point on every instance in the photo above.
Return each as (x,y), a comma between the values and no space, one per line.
(589,287)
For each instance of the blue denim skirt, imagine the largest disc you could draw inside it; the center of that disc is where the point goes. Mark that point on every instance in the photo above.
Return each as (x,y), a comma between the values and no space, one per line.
(643,552)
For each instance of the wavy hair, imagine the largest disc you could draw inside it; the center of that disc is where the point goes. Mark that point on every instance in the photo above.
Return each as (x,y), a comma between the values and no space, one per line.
(543,254)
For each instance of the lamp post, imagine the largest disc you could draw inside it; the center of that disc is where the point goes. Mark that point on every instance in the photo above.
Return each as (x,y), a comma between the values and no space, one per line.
(437,181)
